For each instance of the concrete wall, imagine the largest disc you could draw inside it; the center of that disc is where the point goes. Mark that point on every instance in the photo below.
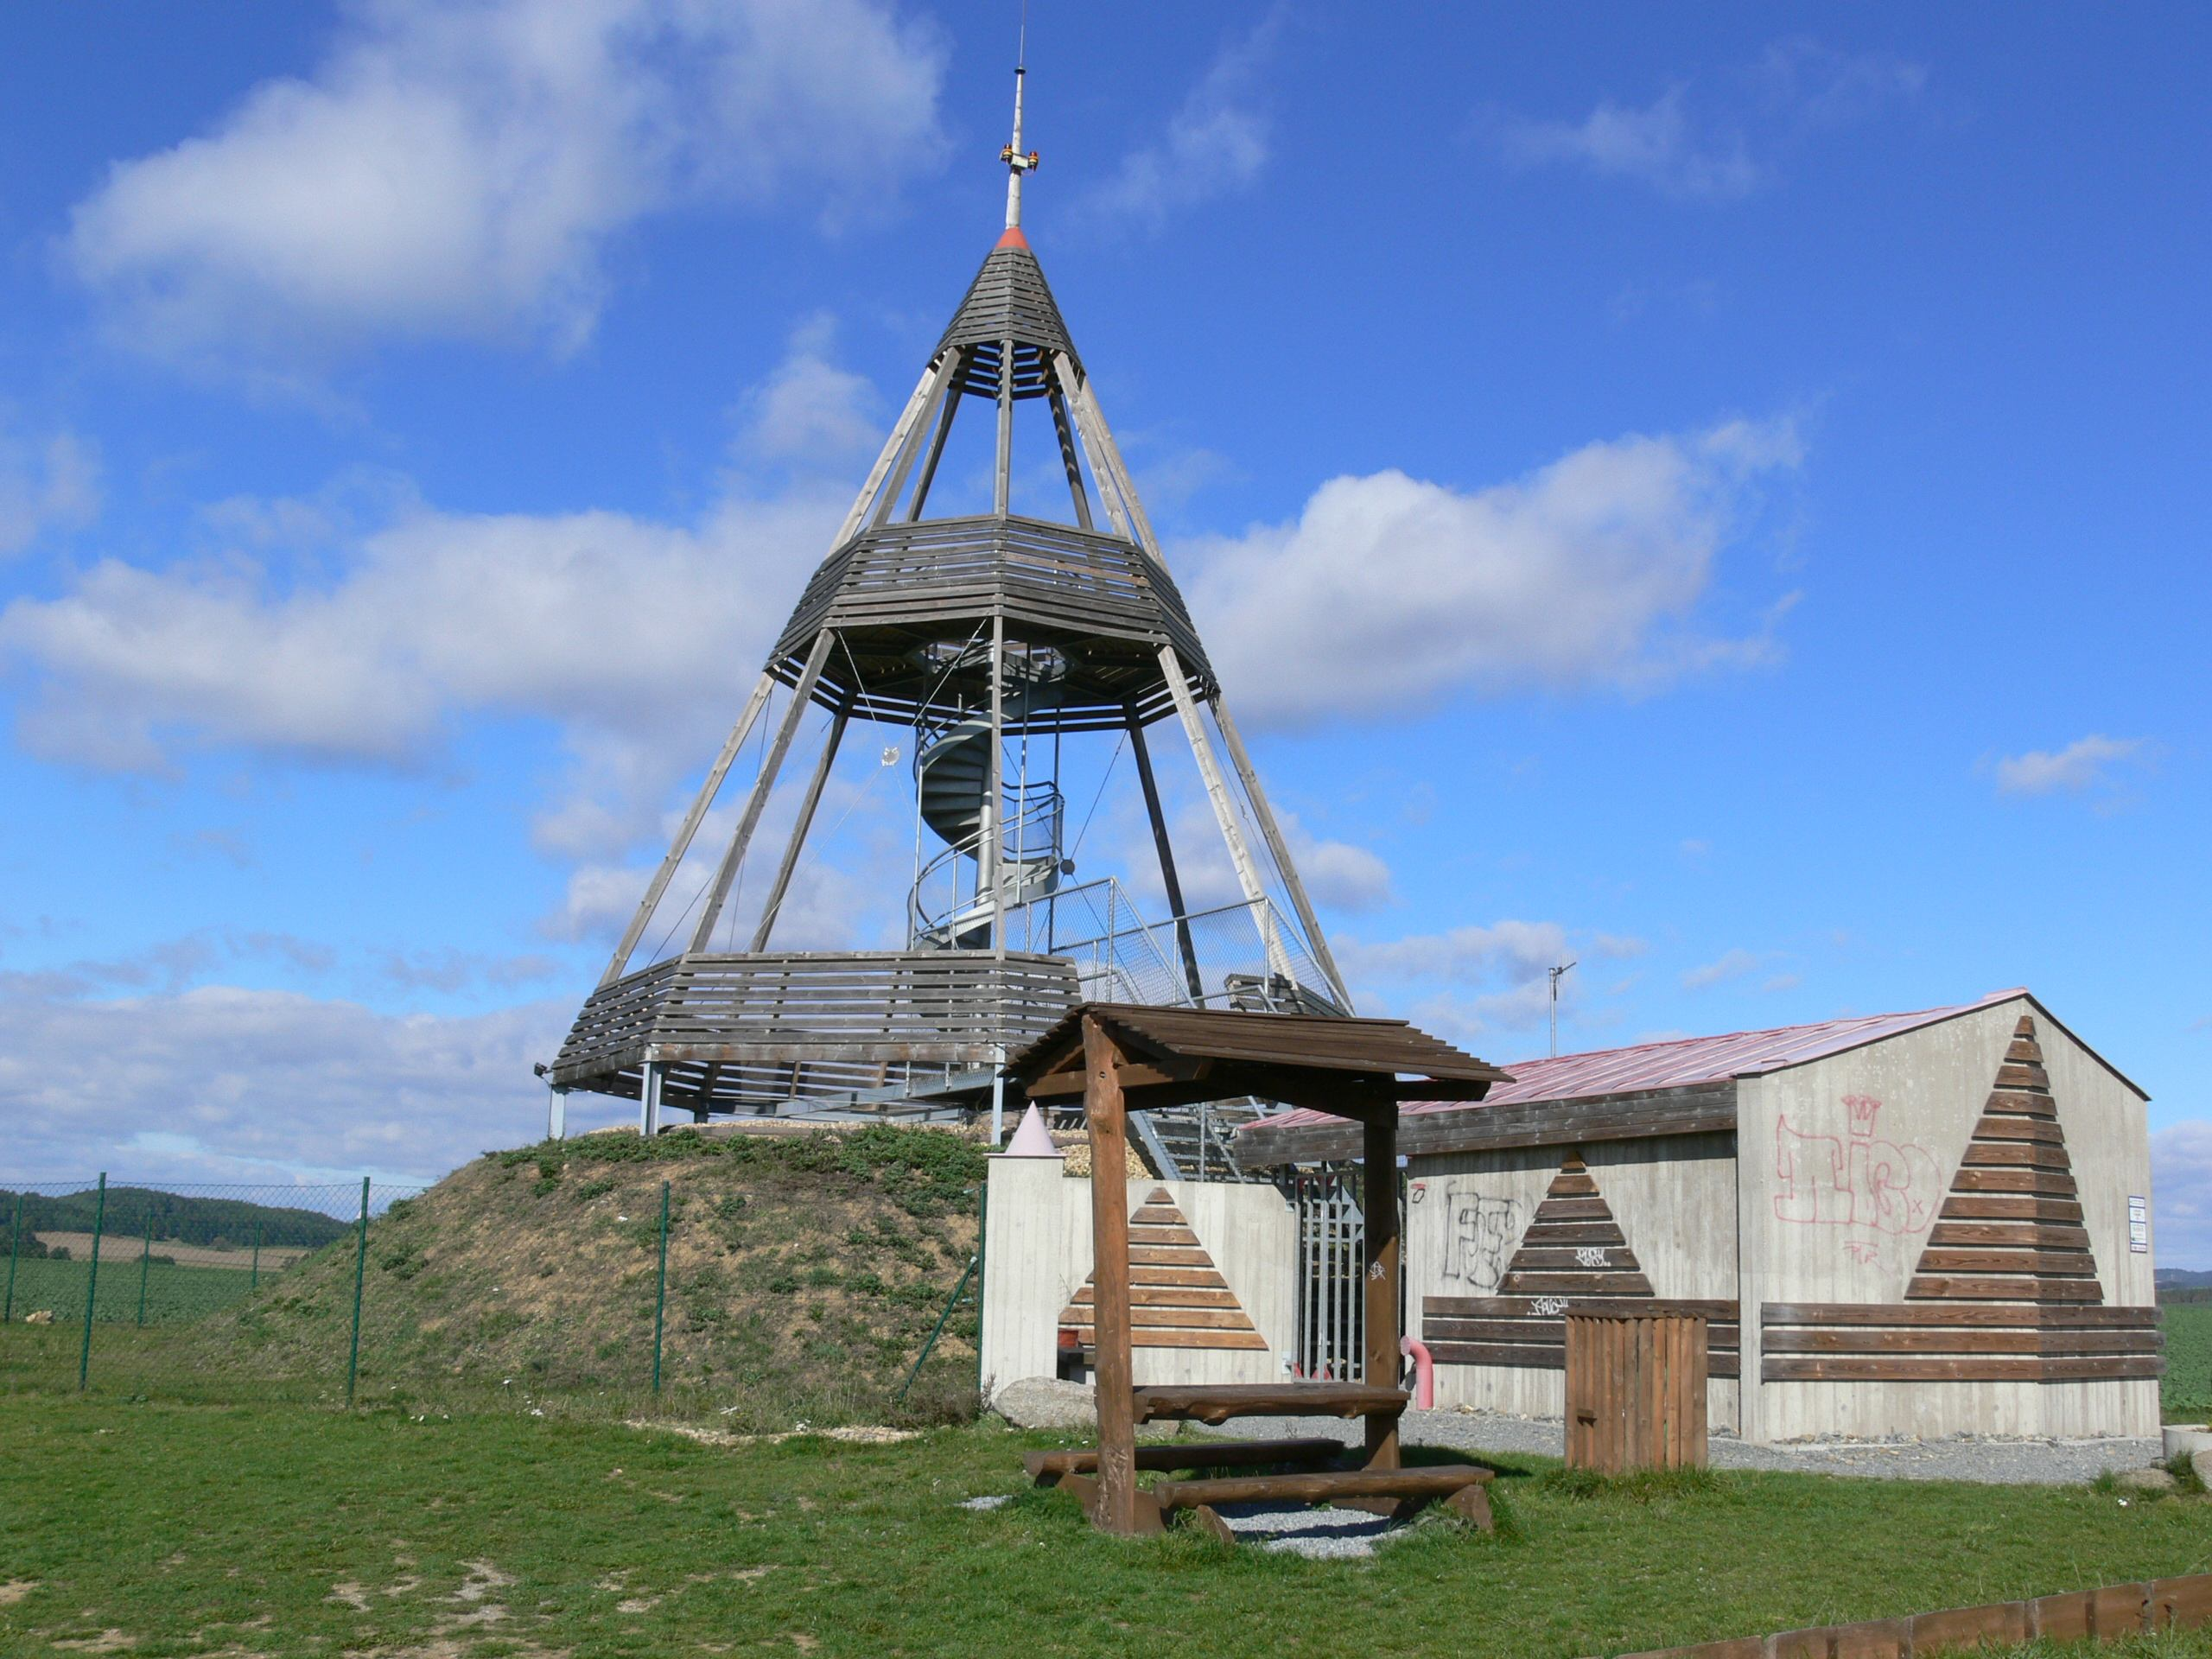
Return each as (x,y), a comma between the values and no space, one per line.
(1764,1217)
(1037,1254)
(1809,1237)
(1674,1198)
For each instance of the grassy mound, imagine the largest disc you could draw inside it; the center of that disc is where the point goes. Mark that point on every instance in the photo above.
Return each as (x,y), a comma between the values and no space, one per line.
(803,1274)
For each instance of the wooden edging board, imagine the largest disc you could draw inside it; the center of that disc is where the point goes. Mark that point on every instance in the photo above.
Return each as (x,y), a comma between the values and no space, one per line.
(2104,1615)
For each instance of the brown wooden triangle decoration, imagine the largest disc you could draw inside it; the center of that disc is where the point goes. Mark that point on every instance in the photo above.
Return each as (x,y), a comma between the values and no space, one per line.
(1178,1298)
(1574,1246)
(2011,1229)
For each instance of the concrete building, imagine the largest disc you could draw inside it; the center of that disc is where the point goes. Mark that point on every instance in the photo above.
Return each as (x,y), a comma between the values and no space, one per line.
(1912,1224)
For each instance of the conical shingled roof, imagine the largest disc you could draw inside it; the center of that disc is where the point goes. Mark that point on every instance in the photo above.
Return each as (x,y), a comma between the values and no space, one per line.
(1010,300)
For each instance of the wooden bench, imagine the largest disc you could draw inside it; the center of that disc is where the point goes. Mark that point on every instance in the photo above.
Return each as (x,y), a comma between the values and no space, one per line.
(1217,1402)
(1048,1468)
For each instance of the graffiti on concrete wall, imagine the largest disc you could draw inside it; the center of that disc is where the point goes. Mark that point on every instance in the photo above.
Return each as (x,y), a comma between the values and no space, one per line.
(1857,1179)
(1481,1232)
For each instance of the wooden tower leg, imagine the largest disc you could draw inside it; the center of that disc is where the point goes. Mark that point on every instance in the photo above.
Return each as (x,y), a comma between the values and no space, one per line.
(682,844)
(1114,1378)
(1168,880)
(703,936)
(800,825)
(1379,1167)
(1224,811)
(1278,850)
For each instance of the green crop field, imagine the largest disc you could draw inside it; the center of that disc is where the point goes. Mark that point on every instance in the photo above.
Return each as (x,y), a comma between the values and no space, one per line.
(167,1530)
(2187,1393)
(172,1293)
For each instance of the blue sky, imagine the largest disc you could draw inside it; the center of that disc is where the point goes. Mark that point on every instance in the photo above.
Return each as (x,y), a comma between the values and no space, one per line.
(1720,495)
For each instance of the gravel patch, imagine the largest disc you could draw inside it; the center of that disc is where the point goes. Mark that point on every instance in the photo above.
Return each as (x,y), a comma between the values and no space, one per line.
(1318,1535)
(2005,1463)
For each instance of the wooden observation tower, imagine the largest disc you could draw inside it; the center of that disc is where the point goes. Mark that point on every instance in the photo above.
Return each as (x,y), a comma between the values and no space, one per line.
(998,641)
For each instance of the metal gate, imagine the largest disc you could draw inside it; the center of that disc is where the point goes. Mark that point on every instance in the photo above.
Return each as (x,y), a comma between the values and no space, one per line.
(1331,1235)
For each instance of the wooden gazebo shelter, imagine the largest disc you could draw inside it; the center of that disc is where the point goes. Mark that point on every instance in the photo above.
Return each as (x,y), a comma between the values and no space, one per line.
(1122,1058)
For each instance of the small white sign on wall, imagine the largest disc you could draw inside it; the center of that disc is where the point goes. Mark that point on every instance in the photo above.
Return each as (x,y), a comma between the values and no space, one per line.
(2138,1225)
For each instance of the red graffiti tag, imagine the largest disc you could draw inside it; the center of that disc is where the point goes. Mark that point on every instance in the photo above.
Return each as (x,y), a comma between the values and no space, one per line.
(1861,1181)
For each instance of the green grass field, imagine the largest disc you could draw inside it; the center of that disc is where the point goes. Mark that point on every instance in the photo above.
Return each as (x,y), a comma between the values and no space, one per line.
(2186,1394)
(289,1530)
(173,1293)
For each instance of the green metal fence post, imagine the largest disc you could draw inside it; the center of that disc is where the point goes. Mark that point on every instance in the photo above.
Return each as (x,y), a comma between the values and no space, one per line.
(360,1269)
(256,1283)
(92,1285)
(15,1248)
(937,1330)
(145,1263)
(660,1291)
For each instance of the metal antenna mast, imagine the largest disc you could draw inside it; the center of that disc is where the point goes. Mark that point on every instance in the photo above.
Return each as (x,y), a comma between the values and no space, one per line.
(1555,973)
(1018,162)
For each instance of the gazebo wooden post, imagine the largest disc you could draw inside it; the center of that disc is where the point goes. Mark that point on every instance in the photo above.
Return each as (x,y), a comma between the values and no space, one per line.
(1379,1167)
(1113,1378)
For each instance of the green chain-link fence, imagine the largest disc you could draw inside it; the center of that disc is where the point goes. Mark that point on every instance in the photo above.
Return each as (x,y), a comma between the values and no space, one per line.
(118,1287)
(736,1283)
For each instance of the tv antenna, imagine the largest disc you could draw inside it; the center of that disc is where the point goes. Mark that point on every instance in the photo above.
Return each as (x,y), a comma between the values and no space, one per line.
(1555,975)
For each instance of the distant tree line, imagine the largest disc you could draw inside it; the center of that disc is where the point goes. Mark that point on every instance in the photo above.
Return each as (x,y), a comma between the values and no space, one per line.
(210,1222)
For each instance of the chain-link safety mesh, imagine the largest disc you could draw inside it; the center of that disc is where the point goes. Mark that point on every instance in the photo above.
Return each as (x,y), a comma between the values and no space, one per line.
(591,1275)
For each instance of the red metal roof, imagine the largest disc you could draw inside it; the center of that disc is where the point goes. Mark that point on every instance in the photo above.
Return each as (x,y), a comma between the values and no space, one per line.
(1681,1062)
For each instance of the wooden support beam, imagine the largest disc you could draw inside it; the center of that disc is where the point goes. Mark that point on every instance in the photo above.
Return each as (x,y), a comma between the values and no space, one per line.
(799,827)
(1106,460)
(928,474)
(1003,469)
(1379,1205)
(1114,1378)
(900,429)
(1184,944)
(1068,458)
(940,386)
(1095,444)
(802,694)
(682,844)
(1224,810)
(1280,849)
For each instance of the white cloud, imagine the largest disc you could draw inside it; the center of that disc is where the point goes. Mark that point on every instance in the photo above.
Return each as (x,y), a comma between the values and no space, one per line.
(1217,142)
(1512,949)
(2087,763)
(810,409)
(2181,1180)
(1390,594)
(1729,140)
(1656,144)
(1730,964)
(306,636)
(45,485)
(217,1083)
(605,623)
(458,169)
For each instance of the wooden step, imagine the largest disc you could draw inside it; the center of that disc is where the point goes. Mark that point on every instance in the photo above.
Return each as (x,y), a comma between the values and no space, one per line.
(1046,1467)
(1217,1402)
(1321,1485)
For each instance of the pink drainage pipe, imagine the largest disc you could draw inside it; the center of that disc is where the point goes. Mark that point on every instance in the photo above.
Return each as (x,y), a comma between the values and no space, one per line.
(1424,1372)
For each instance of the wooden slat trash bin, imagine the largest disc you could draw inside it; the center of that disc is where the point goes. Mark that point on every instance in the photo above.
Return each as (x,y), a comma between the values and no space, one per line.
(1635,1389)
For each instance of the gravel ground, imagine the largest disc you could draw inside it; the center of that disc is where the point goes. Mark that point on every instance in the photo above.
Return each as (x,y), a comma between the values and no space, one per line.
(2008,1463)
(1319,1535)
